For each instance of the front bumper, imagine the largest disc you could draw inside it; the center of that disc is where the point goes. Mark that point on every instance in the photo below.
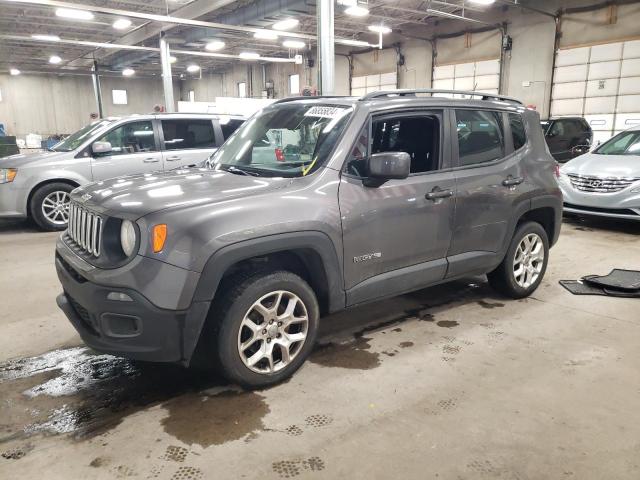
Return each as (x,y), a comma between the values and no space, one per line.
(12,201)
(135,329)
(623,204)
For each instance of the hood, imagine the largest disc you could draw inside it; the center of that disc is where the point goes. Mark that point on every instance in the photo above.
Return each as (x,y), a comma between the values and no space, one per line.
(138,195)
(27,159)
(592,164)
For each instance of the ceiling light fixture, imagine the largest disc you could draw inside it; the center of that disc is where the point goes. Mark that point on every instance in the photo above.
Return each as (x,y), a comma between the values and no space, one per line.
(74,14)
(193,68)
(214,45)
(355,43)
(122,23)
(46,38)
(14,72)
(286,24)
(357,11)
(297,44)
(172,59)
(379,29)
(127,72)
(249,56)
(55,59)
(265,35)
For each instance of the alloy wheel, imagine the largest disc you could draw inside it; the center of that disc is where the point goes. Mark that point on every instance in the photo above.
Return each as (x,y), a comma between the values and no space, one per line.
(273,332)
(528,260)
(55,207)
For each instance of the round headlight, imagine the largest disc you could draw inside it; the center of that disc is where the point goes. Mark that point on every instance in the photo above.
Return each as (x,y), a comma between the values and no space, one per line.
(127,237)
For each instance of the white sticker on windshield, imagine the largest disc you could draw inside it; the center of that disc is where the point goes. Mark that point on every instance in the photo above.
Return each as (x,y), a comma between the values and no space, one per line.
(324,112)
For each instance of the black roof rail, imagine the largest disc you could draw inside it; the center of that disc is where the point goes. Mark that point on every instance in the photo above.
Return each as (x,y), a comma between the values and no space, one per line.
(313,97)
(412,92)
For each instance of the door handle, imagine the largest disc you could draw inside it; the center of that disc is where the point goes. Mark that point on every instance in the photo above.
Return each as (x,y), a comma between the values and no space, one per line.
(437,194)
(151,160)
(511,181)
(172,159)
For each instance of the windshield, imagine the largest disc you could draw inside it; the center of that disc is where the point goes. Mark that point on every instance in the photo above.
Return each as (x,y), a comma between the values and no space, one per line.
(74,140)
(625,143)
(287,140)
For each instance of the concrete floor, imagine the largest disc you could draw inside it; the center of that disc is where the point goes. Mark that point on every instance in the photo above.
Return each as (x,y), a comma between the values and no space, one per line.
(451,383)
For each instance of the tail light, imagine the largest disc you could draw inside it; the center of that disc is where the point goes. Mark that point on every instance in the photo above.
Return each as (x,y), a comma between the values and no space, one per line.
(279,155)
(556,170)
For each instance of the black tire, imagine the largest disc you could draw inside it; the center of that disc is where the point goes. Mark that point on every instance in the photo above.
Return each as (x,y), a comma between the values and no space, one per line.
(36,205)
(503,278)
(233,302)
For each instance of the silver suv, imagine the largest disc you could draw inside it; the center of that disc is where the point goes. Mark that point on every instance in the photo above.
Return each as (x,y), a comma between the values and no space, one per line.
(312,206)
(37,185)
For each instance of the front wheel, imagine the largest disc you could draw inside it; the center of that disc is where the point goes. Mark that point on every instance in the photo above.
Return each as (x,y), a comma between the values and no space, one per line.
(50,206)
(266,327)
(525,263)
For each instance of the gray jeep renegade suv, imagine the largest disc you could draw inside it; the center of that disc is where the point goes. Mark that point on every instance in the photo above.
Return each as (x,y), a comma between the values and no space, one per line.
(312,206)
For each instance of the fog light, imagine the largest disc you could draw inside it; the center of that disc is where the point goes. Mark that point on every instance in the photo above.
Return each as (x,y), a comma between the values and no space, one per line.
(119,297)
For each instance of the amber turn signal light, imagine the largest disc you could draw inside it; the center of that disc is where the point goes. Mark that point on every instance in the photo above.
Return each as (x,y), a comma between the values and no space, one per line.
(159,236)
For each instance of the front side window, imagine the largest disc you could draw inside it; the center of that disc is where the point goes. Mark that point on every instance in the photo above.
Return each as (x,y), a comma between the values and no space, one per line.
(287,140)
(185,134)
(134,137)
(480,136)
(557,129)
(625,143)
(517,131)
(76,139)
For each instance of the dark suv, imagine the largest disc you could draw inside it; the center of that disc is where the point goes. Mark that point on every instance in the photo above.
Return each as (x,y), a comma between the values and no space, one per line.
(312,206)
(567,137)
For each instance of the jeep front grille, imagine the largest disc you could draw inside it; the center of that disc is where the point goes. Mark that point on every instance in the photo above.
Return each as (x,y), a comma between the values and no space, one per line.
(85,229)
(593,184)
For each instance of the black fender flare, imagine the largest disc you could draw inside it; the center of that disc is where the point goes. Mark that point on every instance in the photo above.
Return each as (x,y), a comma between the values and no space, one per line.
(219,263)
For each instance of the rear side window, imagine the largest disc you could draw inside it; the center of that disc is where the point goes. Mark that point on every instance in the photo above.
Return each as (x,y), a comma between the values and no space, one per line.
(480,136)
(183,134)
(517,131)
(229,127)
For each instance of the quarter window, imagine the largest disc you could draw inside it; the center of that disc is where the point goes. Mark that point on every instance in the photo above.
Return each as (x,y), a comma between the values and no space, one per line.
(517,131)
(134,137)
(185,134)
(480,136)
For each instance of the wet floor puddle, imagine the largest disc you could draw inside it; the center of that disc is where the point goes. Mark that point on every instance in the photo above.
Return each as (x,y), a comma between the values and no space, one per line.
(82,393)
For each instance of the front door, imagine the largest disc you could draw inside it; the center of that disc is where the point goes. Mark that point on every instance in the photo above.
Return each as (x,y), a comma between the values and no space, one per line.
(187,141)
(133,150)
(490,184)
(396,235)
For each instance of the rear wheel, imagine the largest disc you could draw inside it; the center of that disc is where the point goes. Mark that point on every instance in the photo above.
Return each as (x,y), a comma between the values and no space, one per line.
(50,206)
(266,327)
(525,263)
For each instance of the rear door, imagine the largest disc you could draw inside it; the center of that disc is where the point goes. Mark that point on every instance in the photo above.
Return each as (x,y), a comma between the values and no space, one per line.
(396,235)
(135,149)
(186,141)
(490,185)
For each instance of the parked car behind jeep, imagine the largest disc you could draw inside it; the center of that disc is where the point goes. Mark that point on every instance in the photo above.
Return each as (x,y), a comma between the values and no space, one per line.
(375,197)
(37,185)
(567,137)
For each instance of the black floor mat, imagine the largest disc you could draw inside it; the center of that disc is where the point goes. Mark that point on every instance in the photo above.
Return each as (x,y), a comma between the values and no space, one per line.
(627,280)
(578,288)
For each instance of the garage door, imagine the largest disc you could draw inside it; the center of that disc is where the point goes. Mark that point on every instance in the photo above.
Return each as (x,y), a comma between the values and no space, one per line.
(482,76)
(601,83)
(373,83)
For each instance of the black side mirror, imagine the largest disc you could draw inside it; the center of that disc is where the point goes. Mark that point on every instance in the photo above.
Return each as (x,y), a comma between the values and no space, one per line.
(388,166)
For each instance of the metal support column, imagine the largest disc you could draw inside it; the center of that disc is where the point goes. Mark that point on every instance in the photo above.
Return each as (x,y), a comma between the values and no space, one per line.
(96,88)
(326,56)
(167,80)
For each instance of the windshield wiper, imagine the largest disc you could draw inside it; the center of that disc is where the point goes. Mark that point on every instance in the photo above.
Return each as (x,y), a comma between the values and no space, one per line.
(240,171)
